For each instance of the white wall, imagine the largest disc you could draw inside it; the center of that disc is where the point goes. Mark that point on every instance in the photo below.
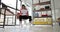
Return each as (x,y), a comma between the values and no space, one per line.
(57,3)
(57,8)
(57,13)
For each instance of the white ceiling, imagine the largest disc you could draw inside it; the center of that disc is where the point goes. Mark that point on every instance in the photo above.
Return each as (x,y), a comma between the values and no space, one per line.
(11,3)
(29,2)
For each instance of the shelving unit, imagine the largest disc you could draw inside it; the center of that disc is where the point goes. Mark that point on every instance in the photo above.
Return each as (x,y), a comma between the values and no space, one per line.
(4,13)
(43,3)
(42,12)
(43,17)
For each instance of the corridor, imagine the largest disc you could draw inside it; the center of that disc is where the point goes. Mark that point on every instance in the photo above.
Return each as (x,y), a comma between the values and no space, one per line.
(45,16)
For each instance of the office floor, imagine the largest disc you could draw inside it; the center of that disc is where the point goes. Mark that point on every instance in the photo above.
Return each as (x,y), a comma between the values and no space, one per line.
(31,28)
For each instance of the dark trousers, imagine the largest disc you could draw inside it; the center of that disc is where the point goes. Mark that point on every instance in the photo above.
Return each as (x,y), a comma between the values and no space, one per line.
(59,23)
(25,17)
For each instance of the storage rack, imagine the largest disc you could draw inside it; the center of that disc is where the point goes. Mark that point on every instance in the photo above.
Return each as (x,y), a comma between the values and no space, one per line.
(38,17)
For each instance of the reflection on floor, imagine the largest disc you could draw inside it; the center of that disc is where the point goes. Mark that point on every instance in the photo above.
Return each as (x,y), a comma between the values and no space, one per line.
(31,28)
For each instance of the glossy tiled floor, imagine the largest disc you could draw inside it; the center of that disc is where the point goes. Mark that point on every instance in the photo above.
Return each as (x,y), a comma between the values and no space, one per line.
(31,28)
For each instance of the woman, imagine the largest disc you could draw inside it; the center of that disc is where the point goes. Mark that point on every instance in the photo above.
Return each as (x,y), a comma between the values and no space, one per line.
(24,14)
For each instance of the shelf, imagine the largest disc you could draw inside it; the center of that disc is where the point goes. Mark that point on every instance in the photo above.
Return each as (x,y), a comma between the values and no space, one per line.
(42,10)
(42,23)
(43,3)
(43,17)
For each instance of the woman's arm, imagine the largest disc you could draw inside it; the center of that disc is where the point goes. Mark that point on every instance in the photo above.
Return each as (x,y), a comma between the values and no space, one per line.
(20,13)
(27,13)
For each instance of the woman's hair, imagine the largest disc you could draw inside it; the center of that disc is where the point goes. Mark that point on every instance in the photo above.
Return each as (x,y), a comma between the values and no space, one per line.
(23,5)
